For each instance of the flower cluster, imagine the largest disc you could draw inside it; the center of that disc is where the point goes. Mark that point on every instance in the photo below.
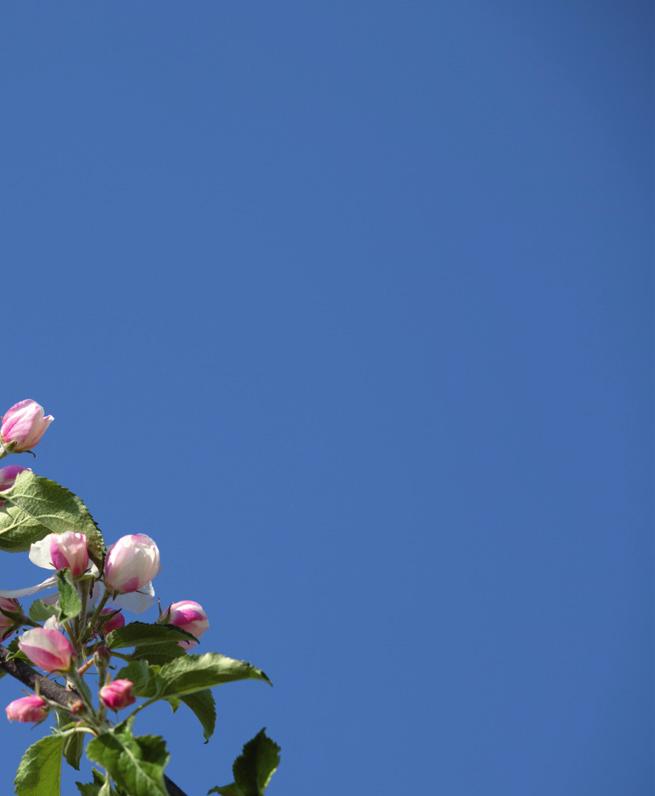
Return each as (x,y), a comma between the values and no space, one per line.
(82,629)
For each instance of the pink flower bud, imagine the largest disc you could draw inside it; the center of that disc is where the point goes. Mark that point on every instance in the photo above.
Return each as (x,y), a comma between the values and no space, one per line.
(23,425)
(116,621)
(117,695)
(69,551)
(29,708)
(131,563)
(190,616)
(48,649)
(7,624)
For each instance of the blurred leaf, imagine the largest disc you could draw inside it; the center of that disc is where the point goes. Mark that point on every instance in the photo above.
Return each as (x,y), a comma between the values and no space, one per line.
(40,611)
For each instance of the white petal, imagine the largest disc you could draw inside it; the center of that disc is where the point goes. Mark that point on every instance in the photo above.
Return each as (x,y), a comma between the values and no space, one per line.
(51,623)
(40,553)
(136,601)
(45,584)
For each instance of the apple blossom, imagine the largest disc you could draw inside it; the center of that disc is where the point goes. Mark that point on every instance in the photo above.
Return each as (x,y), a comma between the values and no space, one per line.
(29,708)
(189,616)
(66,550)
(116,620)
(7,624)
(23,425)
(131,563)
(48,649)
(117,695)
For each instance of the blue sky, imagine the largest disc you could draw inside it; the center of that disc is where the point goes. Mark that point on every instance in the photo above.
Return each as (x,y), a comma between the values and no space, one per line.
(349,305)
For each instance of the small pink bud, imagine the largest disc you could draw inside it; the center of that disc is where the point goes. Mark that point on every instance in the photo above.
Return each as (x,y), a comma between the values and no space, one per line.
(48,649)
(69,551)
(190,616)
(76,707)
(7,477)
(131,563)
(117,695)
(23,425)
(116,621)
(29,708)
(7,624)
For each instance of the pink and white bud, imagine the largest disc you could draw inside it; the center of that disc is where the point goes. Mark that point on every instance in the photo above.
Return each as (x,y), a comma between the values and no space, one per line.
(131,563)
(29,708)
(117,621)
(68,550)
(7,624)
(7,477)
(189,616)
(117,695)
(23,425)
(48,649)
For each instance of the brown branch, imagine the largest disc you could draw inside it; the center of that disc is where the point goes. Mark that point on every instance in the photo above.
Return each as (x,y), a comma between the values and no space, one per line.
(56,693)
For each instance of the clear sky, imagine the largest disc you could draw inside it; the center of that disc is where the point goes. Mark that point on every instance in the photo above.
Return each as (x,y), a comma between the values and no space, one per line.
(349,305)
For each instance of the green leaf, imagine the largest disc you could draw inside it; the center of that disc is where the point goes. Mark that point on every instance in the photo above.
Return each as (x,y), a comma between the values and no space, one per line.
(140,633)
(202,703)
(39,771)
(36,506)
(136,764)
(73,743)
(70,603)
(40,611)
(158,653)
(197,672)
(92,788)
(253,768)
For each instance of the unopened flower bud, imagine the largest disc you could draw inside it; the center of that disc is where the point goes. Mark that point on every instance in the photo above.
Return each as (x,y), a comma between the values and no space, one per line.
(7,623)
(69,551)
(29,708)
(115,621)
(131,563)
(117,695)
(23,425)
(48,649)
(189,616)
(7,477)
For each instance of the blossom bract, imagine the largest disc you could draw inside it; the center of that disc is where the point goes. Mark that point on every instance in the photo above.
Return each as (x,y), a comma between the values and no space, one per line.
(48,649)
(131,563)
(118,694)
(23,425)
(29,708)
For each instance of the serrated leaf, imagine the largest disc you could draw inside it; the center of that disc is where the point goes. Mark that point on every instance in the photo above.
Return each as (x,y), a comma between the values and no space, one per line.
(36,506)
(197,672)
(40,611)
(202,703)
(136,764)
(39,771)
(70,603)
(253,768)
(141,633)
